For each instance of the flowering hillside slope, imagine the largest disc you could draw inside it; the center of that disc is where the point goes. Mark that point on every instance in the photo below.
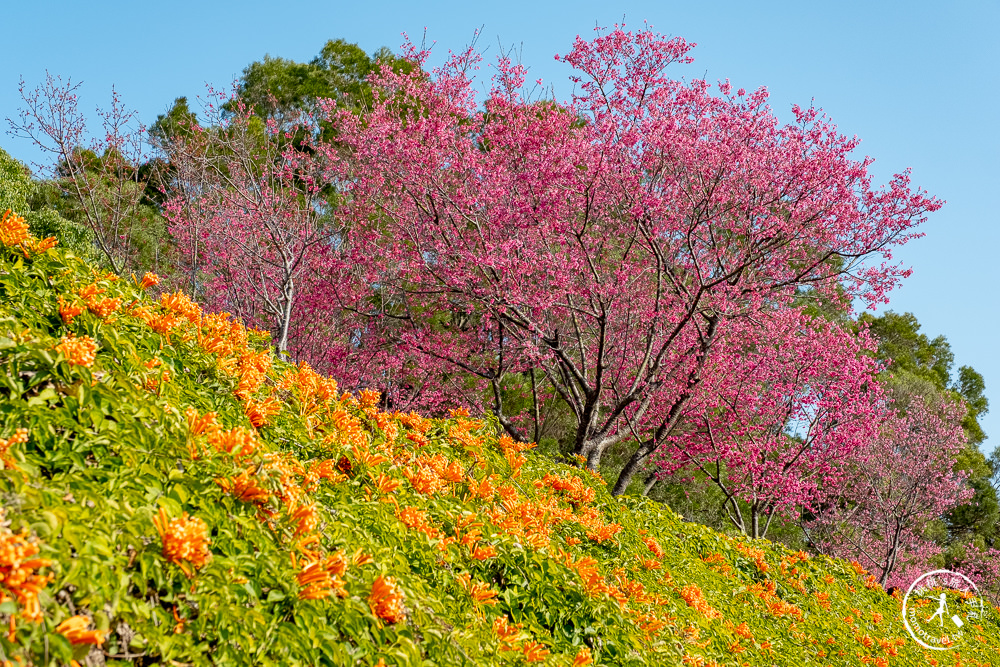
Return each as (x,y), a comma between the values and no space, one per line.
(173,493)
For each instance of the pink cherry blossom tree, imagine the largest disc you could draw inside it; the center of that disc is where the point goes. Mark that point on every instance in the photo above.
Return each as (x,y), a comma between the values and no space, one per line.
(982,565)
(784,405)
(605,241)
(904,479)
(248,207)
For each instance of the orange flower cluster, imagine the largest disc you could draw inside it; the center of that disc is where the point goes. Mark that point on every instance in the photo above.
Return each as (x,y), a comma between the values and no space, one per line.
(431,474)
(593,582)
(319,578)
(573,488)
(368,401)
(513,638)
(260,412)
(303,516)
(583,658)
(13,229)
(386,601)
(654,546)
(311,391)
(185,541)
(14,234)
(483,552)
(387,425)
(528,521)
(743,630)
(327,469)
(346,431)
(20,437)
(101,307)
(68,311)
(19,577)
(754,554)
(512,451)
(79,351)
(149,280)
(507,632)
(385,485)
(237,442)
(534,651)
(415,422)
(75,630)
(416,519)
(480,592)
(766,592)
(245,487)
(718,563)
(182,307)
(693,596)
(699,661)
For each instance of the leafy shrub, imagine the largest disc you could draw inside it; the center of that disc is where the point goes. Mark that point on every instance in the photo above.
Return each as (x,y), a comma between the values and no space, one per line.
(175,493)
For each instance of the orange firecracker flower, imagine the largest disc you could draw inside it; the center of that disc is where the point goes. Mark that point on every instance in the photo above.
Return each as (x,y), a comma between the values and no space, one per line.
(75,630)
(90,292)
(13,229)
(103,307)
(583,658)
(483,552)
(386,601)
(244,487)
(304,517)
(534,651)
(482,489)
(260,412)
(417,520)
(654,546)
(320,578)
(386,484)
(754,554)
(149,280)
(506,631)
(68,311)
(693,596)
(185,541)
(236,441)
(200,425)
(35,246)
(480,592)
(368,459)
(79,351)
(20,437)
(19,577)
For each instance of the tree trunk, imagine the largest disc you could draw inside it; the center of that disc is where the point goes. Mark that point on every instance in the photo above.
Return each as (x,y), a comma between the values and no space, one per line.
(648,485)
(635,464)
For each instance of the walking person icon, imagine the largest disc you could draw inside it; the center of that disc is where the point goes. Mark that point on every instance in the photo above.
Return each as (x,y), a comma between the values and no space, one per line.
(941,610)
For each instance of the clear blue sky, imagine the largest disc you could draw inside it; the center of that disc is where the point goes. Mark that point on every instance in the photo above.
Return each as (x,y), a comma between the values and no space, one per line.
(918,81)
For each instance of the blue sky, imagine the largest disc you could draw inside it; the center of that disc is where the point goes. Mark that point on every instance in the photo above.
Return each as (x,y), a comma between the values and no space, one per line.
(917,81)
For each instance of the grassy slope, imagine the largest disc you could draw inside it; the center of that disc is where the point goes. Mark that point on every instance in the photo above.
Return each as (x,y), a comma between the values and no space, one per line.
(110,445)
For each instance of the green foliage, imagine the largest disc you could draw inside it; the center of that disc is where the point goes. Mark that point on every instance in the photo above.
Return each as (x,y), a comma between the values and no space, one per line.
(922,366)
(111,446)
(15,184)
(39,203)
(277,86)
